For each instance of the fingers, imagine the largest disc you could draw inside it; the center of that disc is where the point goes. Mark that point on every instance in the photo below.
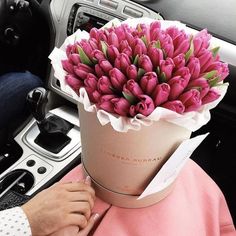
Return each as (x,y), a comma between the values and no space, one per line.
(80,208)
(76,219)
(93,219)
(79,186)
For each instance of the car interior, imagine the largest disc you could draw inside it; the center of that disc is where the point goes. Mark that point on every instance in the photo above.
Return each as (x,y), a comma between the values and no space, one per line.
(38,151)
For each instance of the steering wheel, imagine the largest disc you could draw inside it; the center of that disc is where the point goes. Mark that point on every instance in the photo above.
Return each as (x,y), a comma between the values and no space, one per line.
(14,17)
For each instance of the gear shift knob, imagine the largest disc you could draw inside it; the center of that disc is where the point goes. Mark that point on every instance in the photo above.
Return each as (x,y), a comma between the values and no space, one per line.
(37,100)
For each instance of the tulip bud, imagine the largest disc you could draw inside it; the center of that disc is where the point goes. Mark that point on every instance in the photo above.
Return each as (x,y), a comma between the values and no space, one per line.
(88,47)
(70,49)
(181,46)
(155,54)
(94,32)
(179,61)
(67,66)
(194,67)
(105,66)
(155,28)
(205,59)
(112,53)
(121,106)
(211,96)
(98,55)
(91,81)
(74,58)
(94,95)
(74,82)
(113,39)
(201,41)
(144,107)
(139,47)
(191,100)
(183,72)
(117,79)
(104,85)
(201,84)
(161,94)
(148,82)
(122,62)
(177,86)
(176,106)
(132,72)
(167,44)
(106,104)
(132,88)
(166,67)
(221,68)
(82,70)
(145,63)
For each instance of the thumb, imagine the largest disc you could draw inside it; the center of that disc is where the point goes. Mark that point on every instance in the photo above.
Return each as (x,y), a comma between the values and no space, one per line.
(92,220)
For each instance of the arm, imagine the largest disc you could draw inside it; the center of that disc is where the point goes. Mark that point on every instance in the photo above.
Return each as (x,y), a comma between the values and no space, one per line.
(14,222)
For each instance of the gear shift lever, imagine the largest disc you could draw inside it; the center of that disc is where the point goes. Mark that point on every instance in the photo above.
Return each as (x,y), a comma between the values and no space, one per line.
(53,129)
(37,100)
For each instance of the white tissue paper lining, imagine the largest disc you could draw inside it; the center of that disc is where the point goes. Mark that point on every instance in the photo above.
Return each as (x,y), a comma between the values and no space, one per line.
(189,120)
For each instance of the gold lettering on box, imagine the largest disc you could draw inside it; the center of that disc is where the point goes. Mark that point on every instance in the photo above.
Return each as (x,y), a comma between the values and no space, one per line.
(129,160)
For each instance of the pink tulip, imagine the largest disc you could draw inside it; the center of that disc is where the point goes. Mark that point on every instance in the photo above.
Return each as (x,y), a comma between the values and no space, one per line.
(191,100)
(121,32)
(155,28)
(129,38)
(113,39)
(106,104)
(99,71)
(91,81)
(121,106)
(67,66)
(183,72)
(173,31)
(122,62)
(155,54)
(205,59)
(82,70)
(94,95)
(145,106)
(176,106)
(105,65)
(201,41)
(131,72)
(117,78)
(167,66)
(167,44)
(177,86)
(145,63)
(104,85)
(211,96)
(94,32)
(179,61)
(112,53)
(222,69)
(123,45)
(143,30)
(138,47)
(70,49)
(102,36)
(74,82)
(181,44)
(161,93)
(74,58)
(201,84)
(88,46)
(194,67)
(148,82)
(98,55)
(132,88)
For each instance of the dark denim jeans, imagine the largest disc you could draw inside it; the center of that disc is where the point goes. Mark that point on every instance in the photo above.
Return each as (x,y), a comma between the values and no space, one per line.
(14,88)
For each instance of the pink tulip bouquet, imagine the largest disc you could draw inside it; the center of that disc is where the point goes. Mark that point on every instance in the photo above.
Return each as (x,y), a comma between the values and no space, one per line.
(133,70)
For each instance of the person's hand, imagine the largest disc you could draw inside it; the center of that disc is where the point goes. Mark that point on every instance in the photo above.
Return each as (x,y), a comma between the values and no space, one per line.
(61,205)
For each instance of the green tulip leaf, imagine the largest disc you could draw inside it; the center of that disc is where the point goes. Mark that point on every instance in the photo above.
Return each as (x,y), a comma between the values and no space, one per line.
(141,72)
(189,53)
(215,51)
(157,44)
(135,62)
(130,98)
(163,77)
(83,57)
(213,82)
(144,39)
(210,74)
